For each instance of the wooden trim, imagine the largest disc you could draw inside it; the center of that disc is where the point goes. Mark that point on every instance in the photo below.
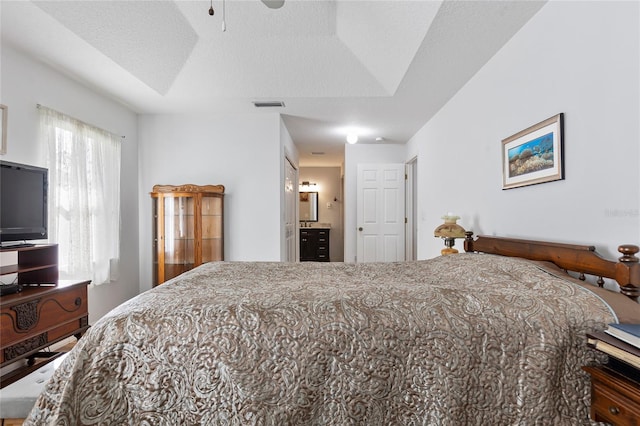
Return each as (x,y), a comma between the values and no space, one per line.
(160,235)
(571,257)
(12,422)
(197,229)
(218,189)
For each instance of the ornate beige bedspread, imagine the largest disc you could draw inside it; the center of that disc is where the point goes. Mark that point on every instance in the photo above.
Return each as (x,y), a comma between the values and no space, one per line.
(469,339)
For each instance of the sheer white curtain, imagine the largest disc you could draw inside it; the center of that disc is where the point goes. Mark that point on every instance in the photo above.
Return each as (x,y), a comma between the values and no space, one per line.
(84,196)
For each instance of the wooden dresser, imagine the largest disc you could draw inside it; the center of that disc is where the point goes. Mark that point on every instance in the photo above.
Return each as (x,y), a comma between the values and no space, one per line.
(615,399)
(40,316)
(46,311)
(314,244)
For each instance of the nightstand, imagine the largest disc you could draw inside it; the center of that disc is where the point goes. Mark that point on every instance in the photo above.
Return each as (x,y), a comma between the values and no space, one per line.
(615,398)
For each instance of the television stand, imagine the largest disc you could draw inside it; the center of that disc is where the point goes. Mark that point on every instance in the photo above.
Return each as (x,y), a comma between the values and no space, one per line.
(36,264)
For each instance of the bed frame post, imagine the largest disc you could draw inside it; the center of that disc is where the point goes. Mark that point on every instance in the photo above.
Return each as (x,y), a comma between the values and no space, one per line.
(629,271)
(468,241)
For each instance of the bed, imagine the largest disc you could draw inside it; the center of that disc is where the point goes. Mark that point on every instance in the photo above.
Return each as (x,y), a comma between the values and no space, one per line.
(477,338)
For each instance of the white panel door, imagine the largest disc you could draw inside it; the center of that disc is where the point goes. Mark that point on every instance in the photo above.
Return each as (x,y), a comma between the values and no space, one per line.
(380,205)
(290,211)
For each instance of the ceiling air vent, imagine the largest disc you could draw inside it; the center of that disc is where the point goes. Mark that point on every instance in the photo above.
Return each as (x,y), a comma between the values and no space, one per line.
(269,104)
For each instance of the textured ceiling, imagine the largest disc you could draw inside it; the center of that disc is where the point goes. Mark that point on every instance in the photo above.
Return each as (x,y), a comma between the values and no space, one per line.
(150,40)
(382,66)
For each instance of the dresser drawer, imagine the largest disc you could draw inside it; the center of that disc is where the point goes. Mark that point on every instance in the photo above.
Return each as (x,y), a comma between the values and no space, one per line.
(610,406)
(615,398)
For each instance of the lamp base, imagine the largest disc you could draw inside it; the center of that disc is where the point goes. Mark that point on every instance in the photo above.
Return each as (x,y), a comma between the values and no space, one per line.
(448,250)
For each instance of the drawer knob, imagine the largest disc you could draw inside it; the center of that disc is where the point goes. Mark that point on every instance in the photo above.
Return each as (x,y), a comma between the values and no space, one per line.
(614,410)
(78,301)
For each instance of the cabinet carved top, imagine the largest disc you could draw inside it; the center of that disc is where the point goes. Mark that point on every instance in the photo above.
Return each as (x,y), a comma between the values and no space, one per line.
(189,188)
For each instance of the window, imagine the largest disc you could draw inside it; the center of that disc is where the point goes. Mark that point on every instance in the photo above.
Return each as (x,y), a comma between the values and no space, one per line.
(84,196)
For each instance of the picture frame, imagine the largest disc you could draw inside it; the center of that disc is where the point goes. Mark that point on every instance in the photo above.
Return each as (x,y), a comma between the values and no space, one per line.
(534,155)
(3,129)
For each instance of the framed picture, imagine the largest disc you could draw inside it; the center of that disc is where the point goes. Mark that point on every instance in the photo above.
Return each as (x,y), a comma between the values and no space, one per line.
(534,155)
(3,130)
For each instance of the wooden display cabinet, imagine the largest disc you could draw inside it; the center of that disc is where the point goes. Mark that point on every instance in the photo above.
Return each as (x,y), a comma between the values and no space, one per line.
(188,228)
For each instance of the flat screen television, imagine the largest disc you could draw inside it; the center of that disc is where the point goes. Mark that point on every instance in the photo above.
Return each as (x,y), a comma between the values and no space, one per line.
(23,203)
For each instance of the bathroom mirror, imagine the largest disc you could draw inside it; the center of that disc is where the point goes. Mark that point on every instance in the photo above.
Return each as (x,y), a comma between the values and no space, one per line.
(308,207)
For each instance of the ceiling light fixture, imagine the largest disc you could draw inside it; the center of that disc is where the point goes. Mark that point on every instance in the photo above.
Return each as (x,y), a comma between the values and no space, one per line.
(224,14)
(273,4)
(352,138)
(306,186)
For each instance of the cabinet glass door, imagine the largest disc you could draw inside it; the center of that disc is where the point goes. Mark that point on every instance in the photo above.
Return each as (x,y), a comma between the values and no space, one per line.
(155,238)
(178,235)
(211,228)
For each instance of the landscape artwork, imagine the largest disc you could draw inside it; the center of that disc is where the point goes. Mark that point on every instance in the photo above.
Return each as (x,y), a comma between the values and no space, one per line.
(534,155)
(531,156)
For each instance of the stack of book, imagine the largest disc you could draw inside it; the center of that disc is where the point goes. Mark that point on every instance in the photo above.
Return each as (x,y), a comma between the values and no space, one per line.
(621,342)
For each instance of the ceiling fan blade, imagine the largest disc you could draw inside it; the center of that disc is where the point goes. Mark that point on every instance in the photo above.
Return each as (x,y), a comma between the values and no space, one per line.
(273,4)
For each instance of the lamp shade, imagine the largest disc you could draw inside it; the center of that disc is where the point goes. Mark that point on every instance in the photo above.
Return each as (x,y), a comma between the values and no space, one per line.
(449,229)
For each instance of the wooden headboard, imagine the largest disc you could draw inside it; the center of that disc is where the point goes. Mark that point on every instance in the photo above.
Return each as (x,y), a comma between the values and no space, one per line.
(570,257)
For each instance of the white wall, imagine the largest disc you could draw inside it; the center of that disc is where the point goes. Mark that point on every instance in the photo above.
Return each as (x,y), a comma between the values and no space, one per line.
(243,152)
(362,154)
(26,83)
(579,58)
(330,203)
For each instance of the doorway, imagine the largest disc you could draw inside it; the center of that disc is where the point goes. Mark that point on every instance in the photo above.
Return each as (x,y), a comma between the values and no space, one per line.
(327,183)
(380,206)
(290,211)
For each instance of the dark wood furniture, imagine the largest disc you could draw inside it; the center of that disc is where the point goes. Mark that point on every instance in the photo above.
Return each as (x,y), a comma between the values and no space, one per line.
(314,244)
(615,399)
(188,228)
(570,257)
(46,311)
(36,265)
(39,316)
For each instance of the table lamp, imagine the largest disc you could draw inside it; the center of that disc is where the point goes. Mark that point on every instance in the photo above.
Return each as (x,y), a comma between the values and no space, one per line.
(449,231)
